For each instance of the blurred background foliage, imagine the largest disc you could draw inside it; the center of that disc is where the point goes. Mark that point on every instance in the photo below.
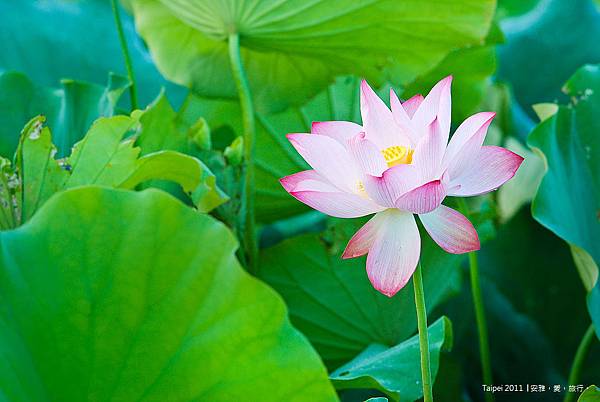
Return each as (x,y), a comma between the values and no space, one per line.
(506,57)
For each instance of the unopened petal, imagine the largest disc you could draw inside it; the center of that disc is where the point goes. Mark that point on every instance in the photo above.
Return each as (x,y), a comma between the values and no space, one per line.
(338,204)
(492,167)
(329,158)
(394,255)
(451,230)
(341,131)
(363,240)
(423,199)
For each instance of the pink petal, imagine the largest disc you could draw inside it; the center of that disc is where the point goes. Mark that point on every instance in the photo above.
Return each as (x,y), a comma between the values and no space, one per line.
(451,230)
(362,240)
(423,199)
(341,131)
(395,252)
(411,105)
(329,158)
(436,104)
(394,182)
(429,152)
(307,180)
(401,117)
(493,166)
(378,122)
(463,149)
(468,128)
(367,155)
(339,205)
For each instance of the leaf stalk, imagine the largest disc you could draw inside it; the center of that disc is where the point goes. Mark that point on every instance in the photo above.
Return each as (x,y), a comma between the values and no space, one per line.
(248,117)
(126,56)
(480,317)
(578,360)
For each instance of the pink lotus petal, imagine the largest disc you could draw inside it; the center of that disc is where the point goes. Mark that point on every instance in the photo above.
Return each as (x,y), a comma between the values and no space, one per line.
(367,155)
(307,180)
(493,166)
(451,230)
(423,199)
(402,118)
(461,152)
(429,153)
(395,252)
(329,158)
(362,240)
(378,122)
(394,182)
(411,105)
(341,131)
(339,205)
(436,104)
(467,129)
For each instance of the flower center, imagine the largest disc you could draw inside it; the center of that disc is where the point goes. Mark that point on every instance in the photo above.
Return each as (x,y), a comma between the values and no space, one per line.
(397,155)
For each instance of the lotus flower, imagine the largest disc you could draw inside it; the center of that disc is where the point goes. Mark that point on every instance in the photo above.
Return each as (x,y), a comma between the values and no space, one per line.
(397,164)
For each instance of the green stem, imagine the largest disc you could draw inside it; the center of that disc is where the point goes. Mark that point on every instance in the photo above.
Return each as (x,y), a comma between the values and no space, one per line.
(423,335)
(241,82)
(482,330)
(484,346)
(128,65)
(578,361)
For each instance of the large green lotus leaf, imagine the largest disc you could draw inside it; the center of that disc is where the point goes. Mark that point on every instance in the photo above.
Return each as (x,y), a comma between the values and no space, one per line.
(471,68)
(529,272)
(332,301)
(292,49)
(106,295)
(535,308)
(568,198)
(396,371)
(593,302)
(591,394)
(103,157)
(52,39)
(565,32)
(512,8)
(69,110)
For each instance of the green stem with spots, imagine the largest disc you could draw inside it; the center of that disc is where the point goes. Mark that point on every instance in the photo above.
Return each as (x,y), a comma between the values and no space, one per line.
(126,56)
(482,330)
(580,355)
(423,335)
(243,89)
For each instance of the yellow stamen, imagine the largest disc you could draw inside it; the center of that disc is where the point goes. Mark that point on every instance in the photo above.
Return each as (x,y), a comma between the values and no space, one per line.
(397,155)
